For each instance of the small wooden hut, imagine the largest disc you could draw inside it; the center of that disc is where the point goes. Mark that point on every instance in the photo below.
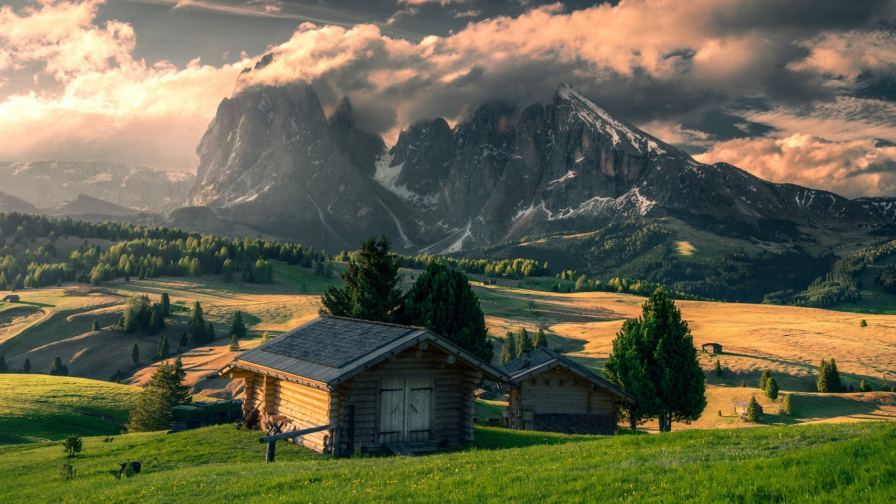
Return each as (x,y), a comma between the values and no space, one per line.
(552,393)
(712,348)
(741,407)
(12,298)
(411,390)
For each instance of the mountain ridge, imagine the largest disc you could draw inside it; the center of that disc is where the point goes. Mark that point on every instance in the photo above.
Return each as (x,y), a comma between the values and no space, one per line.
(271,158)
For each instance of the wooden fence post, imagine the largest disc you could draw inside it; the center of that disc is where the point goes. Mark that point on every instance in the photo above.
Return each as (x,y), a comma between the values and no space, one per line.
(269,453)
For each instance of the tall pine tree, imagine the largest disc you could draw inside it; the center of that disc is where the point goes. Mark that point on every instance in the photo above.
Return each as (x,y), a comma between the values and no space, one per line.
(508,351)
(135,355)
(540,339)
(654,359)
(165,390)
(371,290)
(237,326)
(197,326)
(523,341)
(442,301)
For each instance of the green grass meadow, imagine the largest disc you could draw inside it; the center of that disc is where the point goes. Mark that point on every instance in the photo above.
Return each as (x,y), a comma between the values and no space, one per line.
(815,463)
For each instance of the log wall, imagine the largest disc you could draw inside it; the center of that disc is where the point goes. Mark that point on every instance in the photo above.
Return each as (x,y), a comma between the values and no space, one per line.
(558,400)
(452,396)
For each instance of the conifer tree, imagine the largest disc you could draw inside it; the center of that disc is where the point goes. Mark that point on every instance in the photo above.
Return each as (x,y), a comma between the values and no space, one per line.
(210,333)
(864,386)
(197,326)
(165,304)
(265,337)
(195,268)
(753,414)
(27,366)
(234,344)
(718,368)
(135,355)
(58,368)
(540,339)
(822,382)
(443,301)
(227,270)
(164,391)
(834,383)
(743,383)
(771,388)
(155,322)
(523,341)
(787,405)
(654,359)
(863,323)
(184,342)
(4,367)
(164,349)
(508,351)
(95,326)
(237,326)
(371,290)
(763,381)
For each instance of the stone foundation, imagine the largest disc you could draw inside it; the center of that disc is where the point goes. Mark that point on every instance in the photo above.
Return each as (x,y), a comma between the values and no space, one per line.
(575,423)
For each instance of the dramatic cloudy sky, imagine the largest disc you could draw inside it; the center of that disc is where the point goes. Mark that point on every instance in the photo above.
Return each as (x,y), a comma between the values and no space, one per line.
(799,91)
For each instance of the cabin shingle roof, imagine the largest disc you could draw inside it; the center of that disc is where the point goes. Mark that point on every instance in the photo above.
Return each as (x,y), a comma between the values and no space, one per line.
(335,342)
(329,350)
(542,359)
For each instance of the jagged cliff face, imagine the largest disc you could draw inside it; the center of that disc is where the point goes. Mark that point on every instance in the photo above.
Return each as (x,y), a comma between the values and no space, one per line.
(272,159)
(47,184)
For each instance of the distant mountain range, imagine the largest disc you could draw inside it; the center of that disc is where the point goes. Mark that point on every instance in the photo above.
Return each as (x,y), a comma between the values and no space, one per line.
(53,184)
(272,159)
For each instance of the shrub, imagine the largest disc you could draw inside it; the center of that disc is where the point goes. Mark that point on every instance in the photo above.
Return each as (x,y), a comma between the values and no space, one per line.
(863,323)
(743,383)
(96,326)
(58,369)
(771,389)
(763,381)
(234,344)
(72,445)
(865,386)
(788,405)
(753,411)
(718,369)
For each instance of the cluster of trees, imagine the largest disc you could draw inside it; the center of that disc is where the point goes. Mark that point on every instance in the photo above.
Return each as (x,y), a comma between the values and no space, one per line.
(515,344)
(441,298)
(769,385)
(144,252)
(504,268)
(829,377)
(886,278)
(638,249)
(654,359)
(165,390)
(841,284)
(141,313)
(620,285)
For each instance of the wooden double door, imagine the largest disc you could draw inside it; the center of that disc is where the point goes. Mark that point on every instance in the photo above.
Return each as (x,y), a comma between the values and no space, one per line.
(406,410)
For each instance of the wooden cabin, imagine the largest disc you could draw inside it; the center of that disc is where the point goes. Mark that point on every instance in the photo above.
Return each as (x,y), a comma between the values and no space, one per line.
(12,298)
(741,407)
(712,348)
(411,389)
(552,393)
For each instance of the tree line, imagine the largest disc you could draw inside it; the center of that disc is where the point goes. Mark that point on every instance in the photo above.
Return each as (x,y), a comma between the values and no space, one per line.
(144,252)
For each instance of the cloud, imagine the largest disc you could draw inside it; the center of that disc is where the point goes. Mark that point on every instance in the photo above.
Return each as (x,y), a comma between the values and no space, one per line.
(108,105)
(665,65)
(851,168)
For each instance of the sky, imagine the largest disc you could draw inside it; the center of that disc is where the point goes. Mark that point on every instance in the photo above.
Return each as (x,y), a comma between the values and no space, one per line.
(799,91)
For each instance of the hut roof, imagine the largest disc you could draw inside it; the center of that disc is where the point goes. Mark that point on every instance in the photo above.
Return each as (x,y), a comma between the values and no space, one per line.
(330,350)
(543,359)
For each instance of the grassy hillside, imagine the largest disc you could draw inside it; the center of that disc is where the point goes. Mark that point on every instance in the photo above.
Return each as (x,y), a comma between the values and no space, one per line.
(38,408)
(220,464)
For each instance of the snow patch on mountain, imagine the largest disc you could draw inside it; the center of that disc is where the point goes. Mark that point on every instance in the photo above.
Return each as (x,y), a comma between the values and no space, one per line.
(387,176)
(630,203)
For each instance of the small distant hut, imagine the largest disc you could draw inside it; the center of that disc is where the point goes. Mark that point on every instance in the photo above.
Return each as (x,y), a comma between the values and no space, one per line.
(410,389)
(549,392)
(741,407)
(12,298)
(712,348)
